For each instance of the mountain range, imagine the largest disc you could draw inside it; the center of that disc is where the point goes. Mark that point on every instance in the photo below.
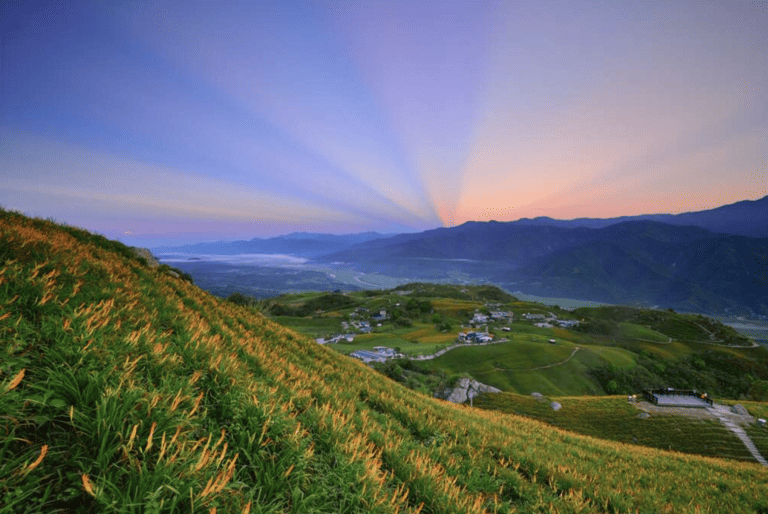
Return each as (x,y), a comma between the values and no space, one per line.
(126,388)
(713,261)
(745,218)
(302,244)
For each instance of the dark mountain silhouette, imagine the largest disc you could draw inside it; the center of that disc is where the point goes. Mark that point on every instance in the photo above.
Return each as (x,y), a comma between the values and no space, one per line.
(640,261)
(656,264)
(745,218)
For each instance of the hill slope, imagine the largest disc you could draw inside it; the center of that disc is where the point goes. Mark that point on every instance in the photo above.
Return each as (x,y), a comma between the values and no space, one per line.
(124,388)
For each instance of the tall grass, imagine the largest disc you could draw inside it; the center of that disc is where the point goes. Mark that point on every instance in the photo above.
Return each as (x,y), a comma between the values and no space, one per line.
(125,389)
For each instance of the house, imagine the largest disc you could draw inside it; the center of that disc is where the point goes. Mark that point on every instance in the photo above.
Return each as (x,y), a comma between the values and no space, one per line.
(383,350)
(362,326)
(475,337)
(368,356)
(378,354)
(381,316)
(340,338)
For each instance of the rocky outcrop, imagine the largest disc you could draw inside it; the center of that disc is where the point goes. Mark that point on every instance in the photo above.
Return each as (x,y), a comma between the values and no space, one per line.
(740,410)
(465,389)
(146,254)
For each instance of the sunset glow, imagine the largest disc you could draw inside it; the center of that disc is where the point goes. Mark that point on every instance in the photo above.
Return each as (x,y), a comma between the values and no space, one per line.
(169,122)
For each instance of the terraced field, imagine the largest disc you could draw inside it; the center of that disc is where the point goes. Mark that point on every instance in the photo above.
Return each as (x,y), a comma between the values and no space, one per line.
(615,419)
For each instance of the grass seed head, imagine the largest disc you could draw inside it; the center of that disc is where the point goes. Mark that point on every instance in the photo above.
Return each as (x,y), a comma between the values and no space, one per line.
(87,485)
(16,380)
(43,452)
(149,438)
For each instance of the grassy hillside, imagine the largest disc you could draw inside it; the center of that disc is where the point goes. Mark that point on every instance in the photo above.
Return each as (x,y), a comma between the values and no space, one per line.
(126,389)
(620,349)
(613,418)
(527,366)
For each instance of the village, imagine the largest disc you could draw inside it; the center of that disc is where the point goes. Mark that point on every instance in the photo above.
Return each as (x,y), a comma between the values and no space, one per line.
(480,330)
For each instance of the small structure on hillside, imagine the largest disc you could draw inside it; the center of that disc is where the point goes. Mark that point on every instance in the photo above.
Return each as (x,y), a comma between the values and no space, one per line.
(670,397)
(474,337)
(381,316)
(378,354)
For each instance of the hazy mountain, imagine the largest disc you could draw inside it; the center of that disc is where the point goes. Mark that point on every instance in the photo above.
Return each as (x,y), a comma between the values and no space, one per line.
(657,264)
(746,218)
(641,261)
(303,244)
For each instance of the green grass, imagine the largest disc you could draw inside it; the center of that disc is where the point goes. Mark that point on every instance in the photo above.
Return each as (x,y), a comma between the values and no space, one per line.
(633,331)
(613,418)
(758,434)
(510,366)
(607,363)
(418,340)
(312,326)
(684,327)
(124,389)
(506,366)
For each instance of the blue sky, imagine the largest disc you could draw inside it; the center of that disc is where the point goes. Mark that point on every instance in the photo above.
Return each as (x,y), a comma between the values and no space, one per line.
(163,122)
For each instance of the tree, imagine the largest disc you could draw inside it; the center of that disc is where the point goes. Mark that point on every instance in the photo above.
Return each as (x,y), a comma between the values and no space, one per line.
(241,299)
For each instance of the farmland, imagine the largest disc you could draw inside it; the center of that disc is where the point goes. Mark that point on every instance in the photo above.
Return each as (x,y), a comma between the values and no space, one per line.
(620,349)
(613,418)
(126,388)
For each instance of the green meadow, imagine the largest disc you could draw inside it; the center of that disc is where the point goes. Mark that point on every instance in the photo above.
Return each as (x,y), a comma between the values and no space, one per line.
(125,388)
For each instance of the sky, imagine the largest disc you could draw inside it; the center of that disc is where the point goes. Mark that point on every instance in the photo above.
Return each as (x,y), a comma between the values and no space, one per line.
(172,122)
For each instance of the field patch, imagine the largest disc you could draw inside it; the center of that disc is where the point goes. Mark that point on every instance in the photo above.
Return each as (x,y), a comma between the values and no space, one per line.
(634,331)
(615,419)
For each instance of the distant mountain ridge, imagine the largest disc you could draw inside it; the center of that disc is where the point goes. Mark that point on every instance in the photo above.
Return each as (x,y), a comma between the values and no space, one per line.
(657,264)
(713,261)
(303,244)
(745,218)
(636,262)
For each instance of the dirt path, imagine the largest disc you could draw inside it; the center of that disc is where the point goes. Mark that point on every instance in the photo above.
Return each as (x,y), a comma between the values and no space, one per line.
(722,413)
(534,369)
(444,350)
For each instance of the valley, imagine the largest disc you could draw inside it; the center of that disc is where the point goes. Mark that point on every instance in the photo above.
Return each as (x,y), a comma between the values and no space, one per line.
(697,262)
(604,351)
(126,387)
(620,349)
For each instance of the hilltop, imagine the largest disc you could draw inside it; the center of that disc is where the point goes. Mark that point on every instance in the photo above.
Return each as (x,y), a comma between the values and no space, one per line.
(127,388)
